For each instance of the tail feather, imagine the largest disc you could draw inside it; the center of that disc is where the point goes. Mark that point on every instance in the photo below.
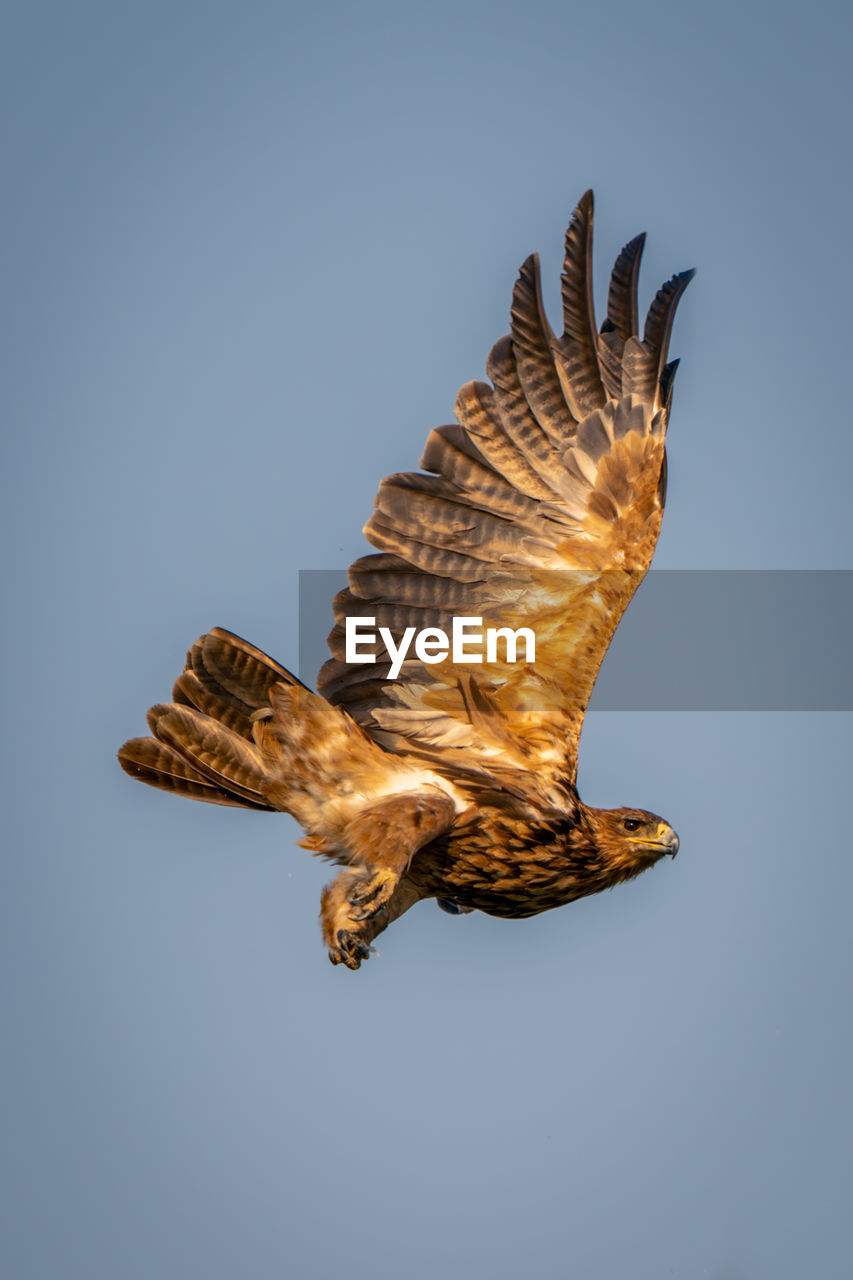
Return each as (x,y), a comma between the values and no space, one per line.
(225,758)
(188,691)
(162,766)
(235,669)
(202,744)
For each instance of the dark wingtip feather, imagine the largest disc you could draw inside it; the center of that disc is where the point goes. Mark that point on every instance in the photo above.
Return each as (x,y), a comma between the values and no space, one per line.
(661,315)
(578,346)
(622,294)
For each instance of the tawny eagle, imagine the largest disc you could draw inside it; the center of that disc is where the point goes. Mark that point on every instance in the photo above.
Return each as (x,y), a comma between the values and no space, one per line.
(540,508)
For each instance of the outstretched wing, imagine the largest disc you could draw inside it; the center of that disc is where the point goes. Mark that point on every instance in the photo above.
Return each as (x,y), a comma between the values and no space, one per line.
(541,510)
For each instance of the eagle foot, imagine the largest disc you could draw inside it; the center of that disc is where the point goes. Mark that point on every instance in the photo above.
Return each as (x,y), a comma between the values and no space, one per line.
(368,897)
(349,950)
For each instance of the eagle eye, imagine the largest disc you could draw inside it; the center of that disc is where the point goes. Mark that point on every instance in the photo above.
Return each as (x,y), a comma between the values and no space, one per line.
(631,824)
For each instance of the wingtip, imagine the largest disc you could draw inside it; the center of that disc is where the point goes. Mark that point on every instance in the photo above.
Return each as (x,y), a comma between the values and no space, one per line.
(585,207)
(529,267)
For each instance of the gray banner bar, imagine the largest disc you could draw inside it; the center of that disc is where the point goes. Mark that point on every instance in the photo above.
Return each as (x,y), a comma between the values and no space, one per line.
(692,640)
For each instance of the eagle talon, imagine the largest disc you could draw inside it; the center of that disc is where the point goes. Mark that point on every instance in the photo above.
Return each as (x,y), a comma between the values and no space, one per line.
(350,950)
(370,896)
(366,913)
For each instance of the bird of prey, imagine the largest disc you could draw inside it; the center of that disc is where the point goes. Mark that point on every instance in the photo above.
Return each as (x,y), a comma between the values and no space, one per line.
(536,511)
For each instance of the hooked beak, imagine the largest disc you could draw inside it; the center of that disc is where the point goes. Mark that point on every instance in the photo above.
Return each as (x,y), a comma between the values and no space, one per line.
(668,839)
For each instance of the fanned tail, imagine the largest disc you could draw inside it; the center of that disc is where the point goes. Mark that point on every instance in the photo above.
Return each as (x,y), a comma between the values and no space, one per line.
(202,744)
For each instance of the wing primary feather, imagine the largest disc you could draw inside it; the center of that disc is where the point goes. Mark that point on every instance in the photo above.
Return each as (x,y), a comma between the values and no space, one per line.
(622,311)
(661,315)
(579,370)
(532,343)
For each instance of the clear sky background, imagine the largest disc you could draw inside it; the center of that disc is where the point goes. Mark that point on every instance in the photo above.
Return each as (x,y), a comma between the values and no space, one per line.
(249,252)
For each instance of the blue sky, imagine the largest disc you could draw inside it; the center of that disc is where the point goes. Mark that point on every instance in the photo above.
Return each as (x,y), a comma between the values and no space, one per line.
(249,255)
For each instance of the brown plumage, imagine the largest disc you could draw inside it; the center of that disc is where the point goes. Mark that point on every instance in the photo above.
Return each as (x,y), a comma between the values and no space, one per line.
(541,511)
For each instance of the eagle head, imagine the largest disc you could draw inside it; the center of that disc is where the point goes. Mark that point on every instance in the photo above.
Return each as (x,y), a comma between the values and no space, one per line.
(629,840)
